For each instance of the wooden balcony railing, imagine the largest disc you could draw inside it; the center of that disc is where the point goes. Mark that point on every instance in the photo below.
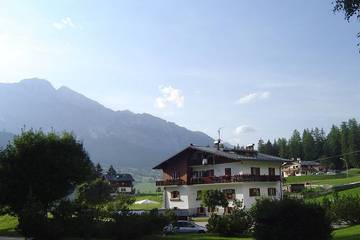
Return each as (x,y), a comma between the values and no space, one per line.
(170,182)
(221,179)
(235,178)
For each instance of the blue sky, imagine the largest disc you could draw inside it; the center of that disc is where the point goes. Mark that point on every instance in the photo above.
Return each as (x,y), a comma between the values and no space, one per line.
(255,68)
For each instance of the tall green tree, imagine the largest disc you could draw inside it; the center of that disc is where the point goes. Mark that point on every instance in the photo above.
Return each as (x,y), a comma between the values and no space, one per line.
(283,148)
(319,141)
(344,129)
(350,8)
(308,146)
(214,198)
(41,166)
(295,145)
(111,171)
(353,142)
(98,170)
(94,193)
(261,145)
(333,149)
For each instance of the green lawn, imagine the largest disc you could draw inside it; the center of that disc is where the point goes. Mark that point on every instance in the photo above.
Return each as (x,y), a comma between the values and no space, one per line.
(349,233)
(158,197)
(7,225)
(352,191)
(145,187)
(338,179)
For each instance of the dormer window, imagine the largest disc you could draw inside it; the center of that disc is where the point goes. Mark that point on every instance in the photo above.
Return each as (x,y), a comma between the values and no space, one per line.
(175,196)
(175,174)
(255,171)
(227,171)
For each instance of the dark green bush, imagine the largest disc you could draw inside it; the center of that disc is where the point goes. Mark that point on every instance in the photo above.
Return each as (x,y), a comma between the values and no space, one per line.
(137,226)
(345,208)
(290,219)
(238,222)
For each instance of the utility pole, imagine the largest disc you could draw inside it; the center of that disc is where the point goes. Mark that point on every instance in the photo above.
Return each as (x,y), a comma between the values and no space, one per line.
(347,167)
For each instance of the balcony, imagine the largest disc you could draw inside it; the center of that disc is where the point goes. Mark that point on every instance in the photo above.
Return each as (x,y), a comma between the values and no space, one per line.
(221,179)
(170,182)
(235,178)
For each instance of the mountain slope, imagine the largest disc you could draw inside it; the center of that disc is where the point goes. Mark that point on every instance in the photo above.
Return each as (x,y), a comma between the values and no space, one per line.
(121,138)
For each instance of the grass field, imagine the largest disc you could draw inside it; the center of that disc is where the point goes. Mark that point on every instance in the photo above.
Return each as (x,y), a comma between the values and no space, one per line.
(353,191)
(338,179)
(7,225)
(349,233)
(158,197)
(145,187)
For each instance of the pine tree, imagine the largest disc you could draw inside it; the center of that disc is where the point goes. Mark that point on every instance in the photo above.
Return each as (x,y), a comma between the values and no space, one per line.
(319,141)
(261,146)
(268,149)
(354,142)
(333,149)
(111,171)
(308,146)
(283,148)
(344,140)
(98,170)
(295,145)
(275,148)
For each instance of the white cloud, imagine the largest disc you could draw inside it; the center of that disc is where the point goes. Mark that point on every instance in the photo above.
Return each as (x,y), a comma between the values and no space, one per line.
(64,23)
(251,97)
(243,129)
(170,95)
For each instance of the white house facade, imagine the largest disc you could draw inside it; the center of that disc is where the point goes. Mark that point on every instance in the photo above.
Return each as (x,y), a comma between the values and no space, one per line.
(242,174)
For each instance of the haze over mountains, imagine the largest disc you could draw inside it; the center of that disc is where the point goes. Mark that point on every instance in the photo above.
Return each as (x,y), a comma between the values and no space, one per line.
(120,138)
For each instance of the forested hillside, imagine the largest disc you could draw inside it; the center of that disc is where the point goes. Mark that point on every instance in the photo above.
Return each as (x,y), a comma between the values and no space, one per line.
(341,143)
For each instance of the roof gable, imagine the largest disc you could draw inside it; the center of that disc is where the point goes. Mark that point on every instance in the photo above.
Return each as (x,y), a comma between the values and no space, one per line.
(227,153)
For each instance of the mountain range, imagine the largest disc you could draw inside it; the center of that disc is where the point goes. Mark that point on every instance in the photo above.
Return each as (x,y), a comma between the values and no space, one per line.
(119,138)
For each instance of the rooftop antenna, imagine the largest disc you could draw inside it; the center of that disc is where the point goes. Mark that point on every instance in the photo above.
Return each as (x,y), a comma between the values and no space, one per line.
(219,132)
(219,139)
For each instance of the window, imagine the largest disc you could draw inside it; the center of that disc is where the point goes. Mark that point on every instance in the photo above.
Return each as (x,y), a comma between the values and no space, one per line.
(175,174)
(198,195)
(123,190)
(208,173)
(228,210)
(175,195)
(272,171)
(229,194)
(271,191)
(253,192)
(255,171)
(201,210)
(227,171)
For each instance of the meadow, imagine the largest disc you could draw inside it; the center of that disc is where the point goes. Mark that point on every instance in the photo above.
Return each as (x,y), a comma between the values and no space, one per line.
(334,180)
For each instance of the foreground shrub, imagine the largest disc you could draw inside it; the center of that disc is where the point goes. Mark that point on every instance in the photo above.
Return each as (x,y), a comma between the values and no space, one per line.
(137,226)
(290,219)
(237,222)
(343,208)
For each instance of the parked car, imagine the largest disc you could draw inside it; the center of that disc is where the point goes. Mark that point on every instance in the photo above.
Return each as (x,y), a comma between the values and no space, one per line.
(184,227)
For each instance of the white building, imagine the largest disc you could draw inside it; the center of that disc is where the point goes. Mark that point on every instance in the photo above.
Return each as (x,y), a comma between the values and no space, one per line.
(242,174)
(300,168)
(121,183)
